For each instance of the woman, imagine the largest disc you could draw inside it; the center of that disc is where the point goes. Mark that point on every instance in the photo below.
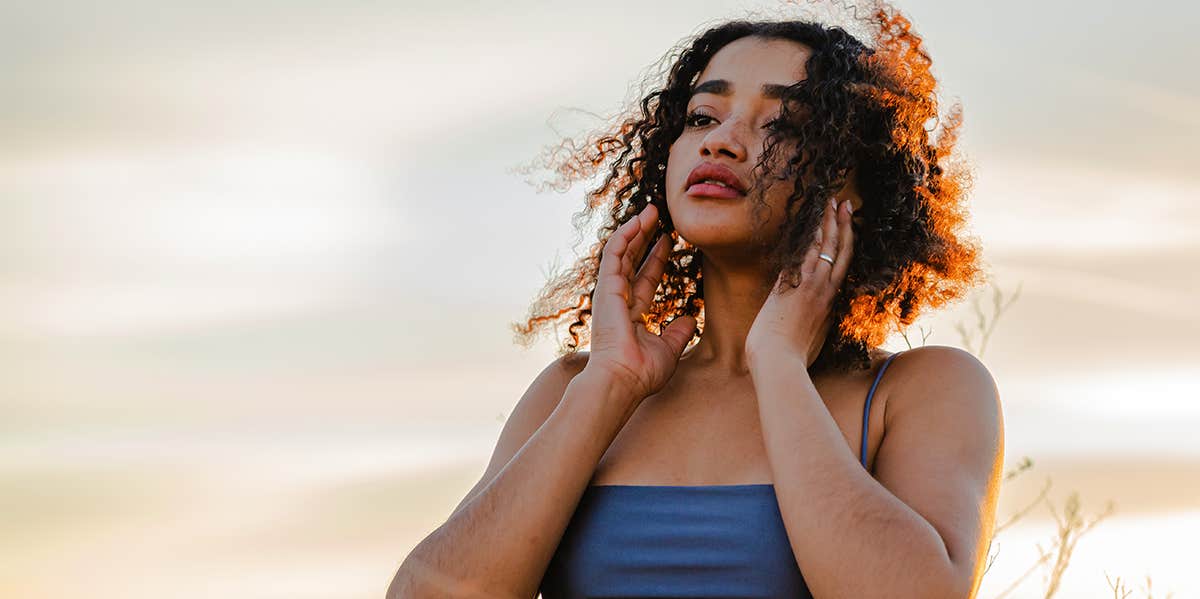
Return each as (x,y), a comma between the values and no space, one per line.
(800,203)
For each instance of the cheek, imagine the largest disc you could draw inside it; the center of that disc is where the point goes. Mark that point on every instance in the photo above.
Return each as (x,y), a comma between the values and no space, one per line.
(676,168)
(783,152)
(776,196)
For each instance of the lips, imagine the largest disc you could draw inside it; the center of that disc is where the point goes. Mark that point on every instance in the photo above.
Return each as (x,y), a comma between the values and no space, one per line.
(711,171)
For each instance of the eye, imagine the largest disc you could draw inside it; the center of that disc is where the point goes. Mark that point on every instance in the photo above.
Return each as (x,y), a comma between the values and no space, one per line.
(690,120)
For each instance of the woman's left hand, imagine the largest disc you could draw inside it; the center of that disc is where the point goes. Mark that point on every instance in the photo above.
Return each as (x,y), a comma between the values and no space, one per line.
(795,319)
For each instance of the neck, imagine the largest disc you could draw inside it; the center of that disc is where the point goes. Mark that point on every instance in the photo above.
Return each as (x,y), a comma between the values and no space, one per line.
(734,292)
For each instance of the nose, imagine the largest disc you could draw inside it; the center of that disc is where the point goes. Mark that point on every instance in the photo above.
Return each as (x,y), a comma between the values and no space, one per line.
(723,139)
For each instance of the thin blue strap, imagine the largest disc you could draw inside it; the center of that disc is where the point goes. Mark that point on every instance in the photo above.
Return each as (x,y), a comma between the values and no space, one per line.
(867,409)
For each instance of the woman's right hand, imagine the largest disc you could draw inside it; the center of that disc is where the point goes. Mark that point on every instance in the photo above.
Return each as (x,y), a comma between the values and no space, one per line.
(621,348)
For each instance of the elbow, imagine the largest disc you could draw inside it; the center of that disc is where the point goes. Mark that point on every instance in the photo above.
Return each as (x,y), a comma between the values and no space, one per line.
(959,591)
(419,580)
(398,587)
(956,580)
(945,580)
(407,584)
(956,585)
(941,588)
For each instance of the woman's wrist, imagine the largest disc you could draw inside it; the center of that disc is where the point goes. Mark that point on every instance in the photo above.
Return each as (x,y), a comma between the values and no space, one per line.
(603,396)
(774,358)
(617,385)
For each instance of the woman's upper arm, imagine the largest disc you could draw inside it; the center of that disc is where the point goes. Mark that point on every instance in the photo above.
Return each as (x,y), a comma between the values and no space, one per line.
(943,451)
(537,403)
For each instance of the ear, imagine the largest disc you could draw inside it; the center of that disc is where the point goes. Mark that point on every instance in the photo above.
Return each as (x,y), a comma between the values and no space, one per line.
(849,191)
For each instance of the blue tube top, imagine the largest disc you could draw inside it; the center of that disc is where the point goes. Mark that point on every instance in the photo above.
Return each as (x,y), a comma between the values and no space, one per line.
(679,541)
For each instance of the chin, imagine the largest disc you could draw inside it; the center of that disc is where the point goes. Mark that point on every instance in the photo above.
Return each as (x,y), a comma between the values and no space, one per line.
(718,239)
(714,225)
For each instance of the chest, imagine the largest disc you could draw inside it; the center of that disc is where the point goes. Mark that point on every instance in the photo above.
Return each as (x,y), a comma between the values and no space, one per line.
(704,430)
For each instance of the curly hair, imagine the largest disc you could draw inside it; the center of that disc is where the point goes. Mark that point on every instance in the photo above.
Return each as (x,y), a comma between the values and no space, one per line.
(861,113)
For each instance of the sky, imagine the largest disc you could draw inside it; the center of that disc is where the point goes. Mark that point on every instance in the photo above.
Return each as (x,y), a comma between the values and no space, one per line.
(268,254)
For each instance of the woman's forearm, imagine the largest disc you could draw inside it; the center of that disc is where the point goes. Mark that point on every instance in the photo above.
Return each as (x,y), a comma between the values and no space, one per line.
(500,542)
(849,534)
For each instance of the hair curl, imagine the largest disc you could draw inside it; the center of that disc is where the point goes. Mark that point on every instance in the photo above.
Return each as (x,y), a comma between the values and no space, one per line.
(861,112)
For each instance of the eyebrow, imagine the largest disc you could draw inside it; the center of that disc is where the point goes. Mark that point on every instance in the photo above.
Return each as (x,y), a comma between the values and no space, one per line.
(722,87)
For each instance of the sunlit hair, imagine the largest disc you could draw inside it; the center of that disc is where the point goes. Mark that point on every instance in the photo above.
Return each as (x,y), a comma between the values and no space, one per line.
(861,107)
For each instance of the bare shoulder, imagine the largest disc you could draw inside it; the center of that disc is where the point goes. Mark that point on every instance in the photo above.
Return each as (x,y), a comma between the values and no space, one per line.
(552,382)
(572,363)
(540,400)
(932,373)
(544,393)
(944,416)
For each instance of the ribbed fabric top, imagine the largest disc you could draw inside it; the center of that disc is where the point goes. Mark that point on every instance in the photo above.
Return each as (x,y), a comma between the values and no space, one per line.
(680,541)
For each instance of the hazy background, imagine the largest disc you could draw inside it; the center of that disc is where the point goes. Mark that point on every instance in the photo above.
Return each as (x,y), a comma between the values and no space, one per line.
(258,264)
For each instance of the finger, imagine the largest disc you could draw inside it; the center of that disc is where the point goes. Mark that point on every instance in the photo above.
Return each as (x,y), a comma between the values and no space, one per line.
(845,243)
(679,333)
(647,220)
(650,276)
(616,247)
(610,299)
(809,265)
(812,258)
(829,236)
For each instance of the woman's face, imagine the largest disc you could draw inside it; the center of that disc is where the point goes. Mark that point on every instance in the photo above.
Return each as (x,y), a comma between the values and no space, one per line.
(735,98)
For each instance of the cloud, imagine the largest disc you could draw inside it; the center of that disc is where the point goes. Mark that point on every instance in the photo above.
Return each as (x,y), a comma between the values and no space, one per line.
(1022,204)
(1170,105)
